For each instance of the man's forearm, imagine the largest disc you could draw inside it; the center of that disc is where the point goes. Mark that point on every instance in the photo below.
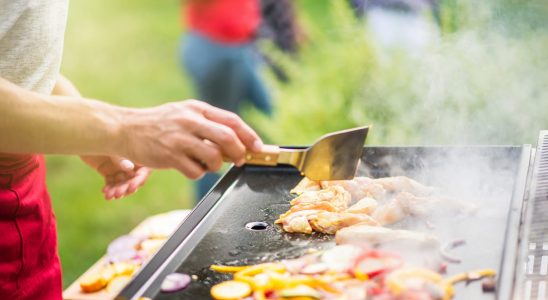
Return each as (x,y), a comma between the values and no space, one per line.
(34,123)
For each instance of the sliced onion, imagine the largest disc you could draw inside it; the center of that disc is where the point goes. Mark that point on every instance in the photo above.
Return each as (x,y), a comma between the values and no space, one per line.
(122,255)
(341,258)
(444,251)
(294,265)
(315,268)
(124,243)
(175,282)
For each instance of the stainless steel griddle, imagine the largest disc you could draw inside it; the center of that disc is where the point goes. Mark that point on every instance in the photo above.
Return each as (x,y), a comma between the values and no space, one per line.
(233,224)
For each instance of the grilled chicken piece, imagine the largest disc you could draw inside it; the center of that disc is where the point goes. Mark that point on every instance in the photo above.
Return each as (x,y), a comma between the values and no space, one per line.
(364,206)
(306,185)
(297,221)
(337,196)
(320,205)
(359,187)
(404,184)
(330,222)
(404,204)
(366,235)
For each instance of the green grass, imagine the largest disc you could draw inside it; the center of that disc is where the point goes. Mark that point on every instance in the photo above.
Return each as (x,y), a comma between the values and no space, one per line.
(122,52)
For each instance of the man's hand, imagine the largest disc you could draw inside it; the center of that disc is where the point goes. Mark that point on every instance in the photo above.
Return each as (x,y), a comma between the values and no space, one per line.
(190,136)
(122,177)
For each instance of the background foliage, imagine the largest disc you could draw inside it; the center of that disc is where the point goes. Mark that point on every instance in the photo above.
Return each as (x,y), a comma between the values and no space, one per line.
(483,82)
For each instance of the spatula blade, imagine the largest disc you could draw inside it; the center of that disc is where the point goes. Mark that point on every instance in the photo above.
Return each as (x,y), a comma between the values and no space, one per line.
(335,156)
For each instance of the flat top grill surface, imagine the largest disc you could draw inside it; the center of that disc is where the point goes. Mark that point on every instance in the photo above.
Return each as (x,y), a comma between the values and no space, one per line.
(485,176)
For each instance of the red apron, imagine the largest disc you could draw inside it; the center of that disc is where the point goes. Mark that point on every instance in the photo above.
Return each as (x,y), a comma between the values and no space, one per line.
(29,263)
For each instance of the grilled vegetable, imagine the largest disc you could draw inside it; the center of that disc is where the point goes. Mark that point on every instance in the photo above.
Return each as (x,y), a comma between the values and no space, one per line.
(118,283)
(373,263)
(175,282)
(97,280)
(399,281)
(229,290)
(227,269)
(124,269)
(489,284)
(471,276)
(300,291)
(315,268)
(92,283)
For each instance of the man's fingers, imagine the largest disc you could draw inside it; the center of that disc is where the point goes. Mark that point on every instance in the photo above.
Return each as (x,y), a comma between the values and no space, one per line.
(225,139)
(190,168)
(121,190)
(208,154)
(123,163)
(109,192)
(115,189)
(141,176)
(115,164)
(247,135)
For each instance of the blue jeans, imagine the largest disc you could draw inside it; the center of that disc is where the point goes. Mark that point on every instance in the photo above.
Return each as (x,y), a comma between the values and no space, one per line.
(224,76)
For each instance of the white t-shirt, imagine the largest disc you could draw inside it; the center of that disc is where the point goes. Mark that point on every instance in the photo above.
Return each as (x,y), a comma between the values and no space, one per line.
(31,42)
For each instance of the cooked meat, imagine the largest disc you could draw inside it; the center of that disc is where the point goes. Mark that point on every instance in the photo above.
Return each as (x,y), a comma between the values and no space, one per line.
(364,206)
(330,222)
(366,235)
(327,206)
(359,187)
(337,196)
(306,185)
(297,221)
(389,213)
(404,204)
(320,205)
(404,184)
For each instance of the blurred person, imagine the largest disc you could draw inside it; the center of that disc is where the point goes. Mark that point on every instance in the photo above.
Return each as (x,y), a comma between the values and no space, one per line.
(280,24)
(43,113)
(410,25)
(281,27)
(218,54)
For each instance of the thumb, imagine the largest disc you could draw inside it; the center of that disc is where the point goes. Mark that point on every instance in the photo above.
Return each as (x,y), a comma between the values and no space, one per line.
(124,163)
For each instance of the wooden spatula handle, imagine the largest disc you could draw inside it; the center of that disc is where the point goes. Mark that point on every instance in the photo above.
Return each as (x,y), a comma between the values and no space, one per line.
(267,157)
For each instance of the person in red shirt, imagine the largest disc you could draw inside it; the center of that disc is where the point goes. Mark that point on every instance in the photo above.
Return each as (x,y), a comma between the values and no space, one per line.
(218,54)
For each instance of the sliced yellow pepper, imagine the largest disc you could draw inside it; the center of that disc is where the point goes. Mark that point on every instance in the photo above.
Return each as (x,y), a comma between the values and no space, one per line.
(259,295)
(229,290)
(474,275)
(248,275)
(359,275)
(228,269)
(395,281)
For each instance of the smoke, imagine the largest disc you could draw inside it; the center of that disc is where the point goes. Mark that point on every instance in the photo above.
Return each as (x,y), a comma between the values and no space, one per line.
(478,88)
(474,187)
(483,84)
(483,81)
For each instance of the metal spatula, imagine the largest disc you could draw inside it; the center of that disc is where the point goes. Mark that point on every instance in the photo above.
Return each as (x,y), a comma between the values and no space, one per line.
(334,156)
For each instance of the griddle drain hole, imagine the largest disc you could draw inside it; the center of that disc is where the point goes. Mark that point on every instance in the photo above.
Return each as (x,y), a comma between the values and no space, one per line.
(256,226)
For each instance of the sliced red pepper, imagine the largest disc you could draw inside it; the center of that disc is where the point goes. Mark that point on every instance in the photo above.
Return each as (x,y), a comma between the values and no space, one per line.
(373,263)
